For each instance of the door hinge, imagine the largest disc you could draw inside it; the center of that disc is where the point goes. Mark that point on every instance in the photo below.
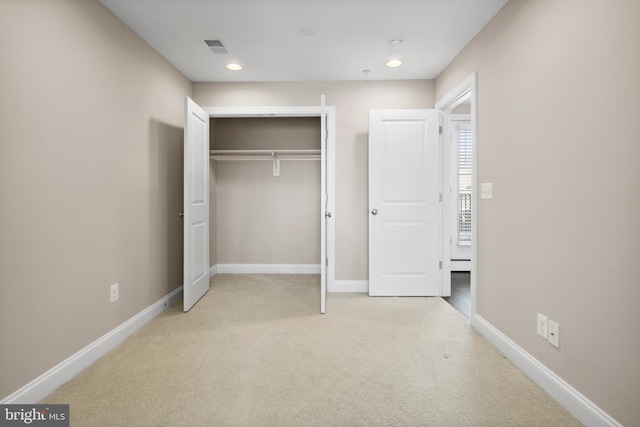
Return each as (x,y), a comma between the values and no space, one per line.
(440,130)
(326,262)
(440,264)
(440,197)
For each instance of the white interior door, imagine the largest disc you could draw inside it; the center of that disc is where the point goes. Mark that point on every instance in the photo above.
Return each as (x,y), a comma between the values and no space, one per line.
(196,204)
(404,203)
(323,206)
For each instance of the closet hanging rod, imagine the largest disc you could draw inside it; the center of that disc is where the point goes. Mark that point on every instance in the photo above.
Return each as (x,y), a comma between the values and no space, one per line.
(264,152)
(240,157)
(271,155)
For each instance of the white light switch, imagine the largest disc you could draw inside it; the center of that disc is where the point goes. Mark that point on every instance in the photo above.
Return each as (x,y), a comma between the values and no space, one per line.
(542,325)
(486,190)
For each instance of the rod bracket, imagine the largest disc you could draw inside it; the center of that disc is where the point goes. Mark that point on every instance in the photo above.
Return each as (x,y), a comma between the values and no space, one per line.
(276,163)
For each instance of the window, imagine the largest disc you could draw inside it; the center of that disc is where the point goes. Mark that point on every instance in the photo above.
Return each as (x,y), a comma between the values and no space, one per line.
(464,184)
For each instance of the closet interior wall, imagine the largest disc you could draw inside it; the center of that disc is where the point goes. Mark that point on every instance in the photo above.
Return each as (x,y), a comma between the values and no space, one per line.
(258,218)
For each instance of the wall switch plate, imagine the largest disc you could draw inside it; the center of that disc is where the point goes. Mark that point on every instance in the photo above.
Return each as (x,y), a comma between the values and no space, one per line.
(486,190)
(542,325)
(115,292)
(554,333)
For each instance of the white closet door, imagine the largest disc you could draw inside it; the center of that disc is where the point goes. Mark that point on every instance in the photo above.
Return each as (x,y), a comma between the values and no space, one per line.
(404,203)
(323,206)
(196,204)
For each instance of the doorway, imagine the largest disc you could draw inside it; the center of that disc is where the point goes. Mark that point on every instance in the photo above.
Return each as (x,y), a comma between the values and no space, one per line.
(458,231)
(282,158)
(460,135)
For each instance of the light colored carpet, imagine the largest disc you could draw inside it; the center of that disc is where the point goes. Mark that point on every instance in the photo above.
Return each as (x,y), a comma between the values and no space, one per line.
(256,352)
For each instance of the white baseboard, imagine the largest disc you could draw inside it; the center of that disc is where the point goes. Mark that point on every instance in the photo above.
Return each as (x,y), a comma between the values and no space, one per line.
(213,270)
(266,269)
(64,371)
(349,286)
(587,412)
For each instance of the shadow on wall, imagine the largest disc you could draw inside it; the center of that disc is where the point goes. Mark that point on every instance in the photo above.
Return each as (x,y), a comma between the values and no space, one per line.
(352,185)
(166,166)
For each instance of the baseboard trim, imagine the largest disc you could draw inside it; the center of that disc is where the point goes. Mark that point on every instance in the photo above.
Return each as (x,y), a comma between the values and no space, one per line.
(266,269)
(587,412)
(213,270)
(350,286)
(60,374)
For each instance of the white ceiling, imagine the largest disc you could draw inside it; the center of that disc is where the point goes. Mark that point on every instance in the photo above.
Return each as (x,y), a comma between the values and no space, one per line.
(264,36)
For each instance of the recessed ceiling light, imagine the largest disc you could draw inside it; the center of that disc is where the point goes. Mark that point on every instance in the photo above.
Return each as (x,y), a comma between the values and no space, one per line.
(393,63)
(234,67)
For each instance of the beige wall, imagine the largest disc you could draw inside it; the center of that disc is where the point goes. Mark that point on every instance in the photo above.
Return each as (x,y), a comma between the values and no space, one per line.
(90,180)
(258,218)
(352,100)
(558,109)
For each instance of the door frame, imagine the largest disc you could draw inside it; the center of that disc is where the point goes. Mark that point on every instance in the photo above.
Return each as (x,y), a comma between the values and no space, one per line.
(468,87)
(304,111)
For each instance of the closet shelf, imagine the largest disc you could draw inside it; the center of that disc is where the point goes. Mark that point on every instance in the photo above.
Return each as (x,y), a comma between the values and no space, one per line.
(272,155)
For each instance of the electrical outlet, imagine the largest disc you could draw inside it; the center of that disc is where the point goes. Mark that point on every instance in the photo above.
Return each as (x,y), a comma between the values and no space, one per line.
(542,325)
(554,333)
(115,292)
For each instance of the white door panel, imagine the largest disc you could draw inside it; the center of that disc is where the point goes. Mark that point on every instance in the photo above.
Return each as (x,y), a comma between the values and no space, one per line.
(404,203)
(413,236)
(404,175)
(196,204)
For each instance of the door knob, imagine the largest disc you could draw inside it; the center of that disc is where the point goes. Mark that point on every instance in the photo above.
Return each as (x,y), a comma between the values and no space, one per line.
(328,214)
(181,214)
(374,211)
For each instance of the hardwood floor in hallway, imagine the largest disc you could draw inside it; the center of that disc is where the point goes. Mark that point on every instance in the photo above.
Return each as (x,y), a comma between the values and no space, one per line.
(460,298)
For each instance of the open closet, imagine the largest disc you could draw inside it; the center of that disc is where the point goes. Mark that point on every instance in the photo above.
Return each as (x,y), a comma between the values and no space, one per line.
(265,194)
(269,195)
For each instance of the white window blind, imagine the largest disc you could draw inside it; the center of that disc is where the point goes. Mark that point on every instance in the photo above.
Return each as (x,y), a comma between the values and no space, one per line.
(464,184)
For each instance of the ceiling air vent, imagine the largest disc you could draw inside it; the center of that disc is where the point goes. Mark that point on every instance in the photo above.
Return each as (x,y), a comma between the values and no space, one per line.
(217,47)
